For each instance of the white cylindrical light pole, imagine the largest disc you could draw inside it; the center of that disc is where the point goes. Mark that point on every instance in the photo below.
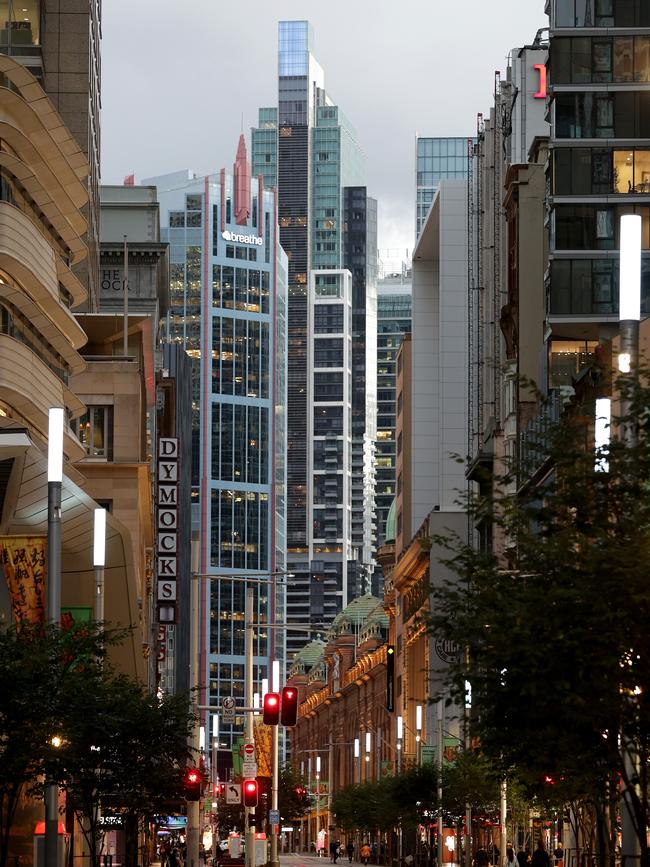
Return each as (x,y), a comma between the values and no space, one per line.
(53,593)
(418,732)
(628,359)
(275,668)
(357,760)
(99,561)
(265,686)
(317,800)
(400,737)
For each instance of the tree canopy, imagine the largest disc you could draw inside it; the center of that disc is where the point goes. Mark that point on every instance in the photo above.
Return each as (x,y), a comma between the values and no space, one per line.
(555,623)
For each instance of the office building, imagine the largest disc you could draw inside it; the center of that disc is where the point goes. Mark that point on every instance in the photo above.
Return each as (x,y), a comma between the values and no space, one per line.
(435,159)
(60,45)
(393,322)
(599,169)
(228,311)
(307,148)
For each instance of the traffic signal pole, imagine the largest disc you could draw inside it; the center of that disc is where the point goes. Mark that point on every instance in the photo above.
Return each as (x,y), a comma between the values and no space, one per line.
(193,807)
(275,741)
(249,812)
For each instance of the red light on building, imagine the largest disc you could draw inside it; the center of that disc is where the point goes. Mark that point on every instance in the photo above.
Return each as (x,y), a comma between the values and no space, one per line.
(541,69)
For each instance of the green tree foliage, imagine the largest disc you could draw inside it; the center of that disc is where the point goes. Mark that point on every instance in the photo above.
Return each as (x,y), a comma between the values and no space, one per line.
(556,627)
(293,797)
(119,744)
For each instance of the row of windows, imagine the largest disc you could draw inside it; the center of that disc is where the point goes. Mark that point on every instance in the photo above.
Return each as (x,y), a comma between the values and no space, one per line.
(328,318)
(328,488)
(14,324)
(585,171)
(602,115)
(602,13)
(239,530)
(328,524)
(328,420)
(328,386)
(441,147)
(328,455)
(240,288)
(240,357)
(240,437)
(582,60)
(595,227)
(249,253)
(590,286)
(328,352)
(456,168)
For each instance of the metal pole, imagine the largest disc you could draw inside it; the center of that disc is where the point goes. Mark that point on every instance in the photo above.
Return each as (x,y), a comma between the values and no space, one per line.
(249,812)
(126,301)
(330,780)
(53,588)
(503,817)
(99,594)
(275,745)
(439,747)
(193,807)
(317,808)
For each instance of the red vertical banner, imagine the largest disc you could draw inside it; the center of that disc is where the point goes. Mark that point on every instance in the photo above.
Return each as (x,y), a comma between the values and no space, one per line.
(23,561)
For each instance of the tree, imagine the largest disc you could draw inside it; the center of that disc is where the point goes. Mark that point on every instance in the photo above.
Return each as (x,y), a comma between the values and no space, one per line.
(293,795)
(125,748)
(37,665)
(555,626)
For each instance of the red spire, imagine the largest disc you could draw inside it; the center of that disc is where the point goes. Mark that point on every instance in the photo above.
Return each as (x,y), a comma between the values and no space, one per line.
(242,184)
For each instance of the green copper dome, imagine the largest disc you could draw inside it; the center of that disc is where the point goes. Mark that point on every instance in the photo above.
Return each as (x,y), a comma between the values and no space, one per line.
(307,657)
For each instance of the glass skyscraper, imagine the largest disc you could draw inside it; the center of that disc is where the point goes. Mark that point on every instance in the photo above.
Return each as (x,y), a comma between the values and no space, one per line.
(228,310)
(435,159)
(307,148)
(393,322)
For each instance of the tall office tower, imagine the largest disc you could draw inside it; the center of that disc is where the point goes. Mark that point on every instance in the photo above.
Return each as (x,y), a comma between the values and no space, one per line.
(59,42)
(393,322)
(228,310)
(308,150)
(599,169)
(436,159)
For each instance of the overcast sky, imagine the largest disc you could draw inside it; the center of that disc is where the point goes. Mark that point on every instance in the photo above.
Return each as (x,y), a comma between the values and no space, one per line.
(178,76)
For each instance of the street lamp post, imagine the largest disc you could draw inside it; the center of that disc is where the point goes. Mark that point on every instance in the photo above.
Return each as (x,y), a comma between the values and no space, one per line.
(317,800)
(400,737)
(99,561)
(418,733)
(54,483)
(628,360)
(357,760)
(368,750)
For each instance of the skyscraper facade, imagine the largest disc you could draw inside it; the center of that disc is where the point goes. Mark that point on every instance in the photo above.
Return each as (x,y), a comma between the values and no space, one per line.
(307,148)
(599,169)
(393,322)
(228,310)
(435,159)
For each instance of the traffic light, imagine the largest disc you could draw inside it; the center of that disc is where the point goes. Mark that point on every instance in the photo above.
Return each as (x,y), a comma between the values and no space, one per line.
(271,713)
(289,712)
(251,793)
(390,678)
(192,784)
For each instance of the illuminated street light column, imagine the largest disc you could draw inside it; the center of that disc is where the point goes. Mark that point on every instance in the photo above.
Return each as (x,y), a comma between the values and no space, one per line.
(99,561)
(439,750)
(357,760)
(400,738)
(628,362)
(317,800)
(249,818)
(629,309)
(275,767)
(418,733)
(368,750)
(53,586)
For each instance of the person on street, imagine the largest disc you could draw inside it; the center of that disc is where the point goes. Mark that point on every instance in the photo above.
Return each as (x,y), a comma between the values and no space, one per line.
(334,851)
(365,853)
(559,855)
(511,858)
(540,856)
(481,859)
(350,850)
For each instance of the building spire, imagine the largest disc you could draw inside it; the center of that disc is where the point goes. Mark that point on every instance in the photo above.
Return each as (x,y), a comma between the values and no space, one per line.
(242,184)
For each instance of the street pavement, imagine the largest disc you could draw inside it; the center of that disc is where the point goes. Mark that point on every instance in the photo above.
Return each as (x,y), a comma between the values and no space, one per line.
(301,859)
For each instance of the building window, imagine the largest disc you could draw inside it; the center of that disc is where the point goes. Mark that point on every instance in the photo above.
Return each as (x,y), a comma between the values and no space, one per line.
(176,219)
(95,432)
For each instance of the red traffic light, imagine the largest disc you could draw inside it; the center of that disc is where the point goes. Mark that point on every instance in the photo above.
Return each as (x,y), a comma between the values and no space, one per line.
(251,793)
(289,712)
(271,714)
(192,784)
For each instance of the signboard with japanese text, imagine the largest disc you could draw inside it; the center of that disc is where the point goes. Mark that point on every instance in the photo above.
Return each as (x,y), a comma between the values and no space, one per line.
(23,560)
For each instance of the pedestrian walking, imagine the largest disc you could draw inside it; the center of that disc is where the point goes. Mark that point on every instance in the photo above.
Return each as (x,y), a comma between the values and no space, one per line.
(334,851)
(481,859)
(511,858)
(523,857)
(350,850)
(365,853)
(559,855)
(540,856)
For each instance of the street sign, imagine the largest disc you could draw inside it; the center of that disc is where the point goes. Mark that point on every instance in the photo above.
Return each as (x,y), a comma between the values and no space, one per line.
(274,817)
(249,769)
(228,709)
(249,750)
(233,793)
